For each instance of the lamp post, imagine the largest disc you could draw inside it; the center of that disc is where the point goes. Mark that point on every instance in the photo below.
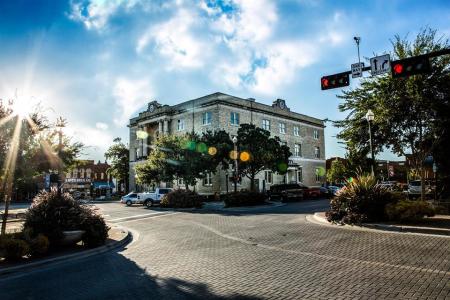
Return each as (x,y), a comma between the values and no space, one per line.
(60,123)
(235,163)
(369,117)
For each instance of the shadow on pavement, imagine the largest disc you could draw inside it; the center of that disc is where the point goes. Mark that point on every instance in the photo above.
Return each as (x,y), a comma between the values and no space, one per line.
(109,276)
(301,207)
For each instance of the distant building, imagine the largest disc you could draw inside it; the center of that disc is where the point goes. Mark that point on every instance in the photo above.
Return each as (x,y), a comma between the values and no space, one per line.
(88,176)
(303,134)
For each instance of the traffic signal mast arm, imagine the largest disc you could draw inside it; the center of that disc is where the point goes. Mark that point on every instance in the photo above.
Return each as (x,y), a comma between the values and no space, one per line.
(400,68)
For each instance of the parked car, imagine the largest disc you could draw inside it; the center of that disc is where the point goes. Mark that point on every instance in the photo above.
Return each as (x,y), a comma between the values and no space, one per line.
(415,189)
(146,198)
(152,198)
(333,189)
(130,199)
(310,192)
(286,192)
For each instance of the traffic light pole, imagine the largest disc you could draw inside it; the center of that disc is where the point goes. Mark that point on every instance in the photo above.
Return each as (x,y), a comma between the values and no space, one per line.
(445,51)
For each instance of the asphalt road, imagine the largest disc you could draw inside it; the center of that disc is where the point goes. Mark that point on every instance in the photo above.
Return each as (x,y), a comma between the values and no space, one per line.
(272,253)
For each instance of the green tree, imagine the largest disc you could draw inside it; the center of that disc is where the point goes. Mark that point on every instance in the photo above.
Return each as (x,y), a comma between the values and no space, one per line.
(29,147)
(265,152)
(408,111)
(119,157)
(337,173)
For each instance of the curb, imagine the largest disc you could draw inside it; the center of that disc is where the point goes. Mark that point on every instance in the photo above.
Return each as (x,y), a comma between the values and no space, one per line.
(389,228)
(69,257)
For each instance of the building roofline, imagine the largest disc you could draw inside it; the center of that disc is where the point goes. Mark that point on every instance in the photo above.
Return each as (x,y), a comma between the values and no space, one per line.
(223,98)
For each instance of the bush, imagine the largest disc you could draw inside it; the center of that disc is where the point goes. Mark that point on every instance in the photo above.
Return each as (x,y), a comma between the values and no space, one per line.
(409,211)
(39,245)
(50,214)
(245,199)
(182,199)
(96,231)
(14,248)
(361,201)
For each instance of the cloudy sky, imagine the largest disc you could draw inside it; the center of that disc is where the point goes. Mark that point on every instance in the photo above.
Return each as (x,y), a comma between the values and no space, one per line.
(98,63)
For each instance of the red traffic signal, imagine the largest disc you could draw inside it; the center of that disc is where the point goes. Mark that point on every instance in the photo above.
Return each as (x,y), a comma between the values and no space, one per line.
(335,81)
(410,66)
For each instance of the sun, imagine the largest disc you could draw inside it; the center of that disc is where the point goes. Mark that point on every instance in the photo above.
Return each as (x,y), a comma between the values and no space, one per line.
(22,108)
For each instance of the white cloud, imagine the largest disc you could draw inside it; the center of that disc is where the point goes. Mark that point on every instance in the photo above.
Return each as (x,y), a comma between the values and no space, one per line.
(284,59)
(101,125)
(130,95)
(176,41)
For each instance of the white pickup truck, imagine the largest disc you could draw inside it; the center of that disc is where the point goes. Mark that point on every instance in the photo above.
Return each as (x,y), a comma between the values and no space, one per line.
(146,198)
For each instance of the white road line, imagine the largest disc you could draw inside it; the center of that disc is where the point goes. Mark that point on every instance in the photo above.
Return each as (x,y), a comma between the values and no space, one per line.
(156,216)
(143,216)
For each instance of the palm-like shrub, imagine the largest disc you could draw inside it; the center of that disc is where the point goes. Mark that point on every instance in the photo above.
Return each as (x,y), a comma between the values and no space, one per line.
(361,200)
(50,214)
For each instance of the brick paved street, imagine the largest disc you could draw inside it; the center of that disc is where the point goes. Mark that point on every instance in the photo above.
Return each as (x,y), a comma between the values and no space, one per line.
(275,254)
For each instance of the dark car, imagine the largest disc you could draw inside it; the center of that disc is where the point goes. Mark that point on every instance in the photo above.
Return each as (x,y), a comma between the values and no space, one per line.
(286,192)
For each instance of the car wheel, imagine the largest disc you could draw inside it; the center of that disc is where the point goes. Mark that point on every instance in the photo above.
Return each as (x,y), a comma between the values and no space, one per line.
(149,203)
(128,203)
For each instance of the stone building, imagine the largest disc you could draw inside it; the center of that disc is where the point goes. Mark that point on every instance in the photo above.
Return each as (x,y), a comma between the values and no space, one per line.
(303,134)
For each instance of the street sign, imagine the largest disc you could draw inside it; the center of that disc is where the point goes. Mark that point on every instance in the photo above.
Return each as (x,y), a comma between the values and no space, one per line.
(357,70)
(380,64)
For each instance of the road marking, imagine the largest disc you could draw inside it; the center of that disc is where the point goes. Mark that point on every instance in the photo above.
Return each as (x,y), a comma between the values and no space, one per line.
(328,257)
(143,216)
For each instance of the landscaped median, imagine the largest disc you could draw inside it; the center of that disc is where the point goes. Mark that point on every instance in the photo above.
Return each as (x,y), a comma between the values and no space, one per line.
(365,203)
(56,227)
(439,225)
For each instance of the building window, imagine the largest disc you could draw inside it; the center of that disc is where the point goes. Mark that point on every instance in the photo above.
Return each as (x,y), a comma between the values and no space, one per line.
(234,118)
(102,176)
(296,131)
(300,174)
(318,177)
(180,125)
(282,127)
(88,173)
(268,176)
(266,124)
(207,180)
(297,150)
(207,117)
(316,134)
(317,152)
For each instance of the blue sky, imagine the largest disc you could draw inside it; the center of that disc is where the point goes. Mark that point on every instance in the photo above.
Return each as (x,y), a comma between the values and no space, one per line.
(98,63)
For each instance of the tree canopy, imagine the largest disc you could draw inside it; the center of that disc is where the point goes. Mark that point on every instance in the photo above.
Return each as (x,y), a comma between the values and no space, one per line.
(119,157)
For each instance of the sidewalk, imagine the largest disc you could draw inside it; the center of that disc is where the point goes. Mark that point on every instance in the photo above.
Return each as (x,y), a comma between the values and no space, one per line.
(438,225)
(118,237)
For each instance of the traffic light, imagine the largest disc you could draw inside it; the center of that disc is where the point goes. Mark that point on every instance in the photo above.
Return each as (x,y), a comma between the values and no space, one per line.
(335,81)
(410,66)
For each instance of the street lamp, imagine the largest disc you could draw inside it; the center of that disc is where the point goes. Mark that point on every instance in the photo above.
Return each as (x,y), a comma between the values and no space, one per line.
(235,163)
(369,117)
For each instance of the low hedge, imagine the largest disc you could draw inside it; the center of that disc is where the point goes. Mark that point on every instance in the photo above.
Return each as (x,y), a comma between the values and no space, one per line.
(409,210)
(245,199)
(15,246)
(182,199)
